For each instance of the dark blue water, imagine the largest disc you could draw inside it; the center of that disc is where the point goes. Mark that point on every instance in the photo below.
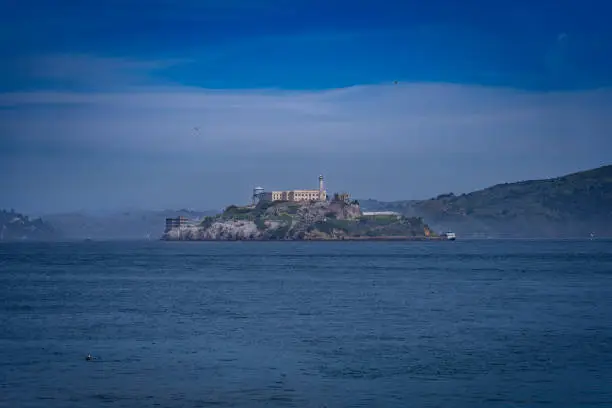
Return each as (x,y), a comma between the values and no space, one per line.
(446,324)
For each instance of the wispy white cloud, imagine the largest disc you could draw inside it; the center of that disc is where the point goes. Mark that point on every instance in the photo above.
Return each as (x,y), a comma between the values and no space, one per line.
(415,118)
(424,138)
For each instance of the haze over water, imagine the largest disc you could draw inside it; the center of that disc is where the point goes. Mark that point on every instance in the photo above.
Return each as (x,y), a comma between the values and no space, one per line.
(447,324)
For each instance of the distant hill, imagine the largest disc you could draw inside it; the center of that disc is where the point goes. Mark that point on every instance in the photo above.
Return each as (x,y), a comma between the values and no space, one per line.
(570,206)
(133,224)
(15,226)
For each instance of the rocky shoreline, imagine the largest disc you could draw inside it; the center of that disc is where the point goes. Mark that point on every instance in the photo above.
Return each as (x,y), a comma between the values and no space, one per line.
(362,239)
(302,221)
(390,238)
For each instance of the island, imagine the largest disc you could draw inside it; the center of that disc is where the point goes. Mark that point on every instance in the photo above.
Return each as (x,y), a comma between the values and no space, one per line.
(304,220)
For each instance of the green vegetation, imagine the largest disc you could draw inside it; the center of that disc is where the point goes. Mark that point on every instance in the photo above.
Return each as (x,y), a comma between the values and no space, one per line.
(279,233)
(293,208)
(260,223)
(374,226)
(315,220)
(379,219)
(572,205)
(233,210)
(334,224)
(207,221)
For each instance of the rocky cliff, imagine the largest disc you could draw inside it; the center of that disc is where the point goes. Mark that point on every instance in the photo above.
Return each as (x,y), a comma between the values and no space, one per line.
(299,221)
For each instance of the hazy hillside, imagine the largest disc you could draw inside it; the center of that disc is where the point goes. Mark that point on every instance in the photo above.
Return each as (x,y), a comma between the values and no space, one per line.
(135,224)
(16,226)
(570,206)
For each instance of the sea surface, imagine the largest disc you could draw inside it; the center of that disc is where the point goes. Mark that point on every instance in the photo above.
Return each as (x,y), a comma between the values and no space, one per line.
(512,323)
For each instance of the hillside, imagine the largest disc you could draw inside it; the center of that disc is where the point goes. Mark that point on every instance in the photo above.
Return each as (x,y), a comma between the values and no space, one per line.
(134,224)
(15,226)
(299,221)
(570,206)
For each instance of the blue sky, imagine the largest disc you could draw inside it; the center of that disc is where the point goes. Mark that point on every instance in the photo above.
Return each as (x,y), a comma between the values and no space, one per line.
(98,100)
(317,44)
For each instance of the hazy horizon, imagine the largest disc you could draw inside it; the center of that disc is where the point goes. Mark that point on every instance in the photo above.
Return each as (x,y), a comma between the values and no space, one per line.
(109,106)
(113,210)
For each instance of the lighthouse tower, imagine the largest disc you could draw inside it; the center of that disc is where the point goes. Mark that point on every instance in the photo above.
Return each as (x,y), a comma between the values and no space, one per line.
(321,189)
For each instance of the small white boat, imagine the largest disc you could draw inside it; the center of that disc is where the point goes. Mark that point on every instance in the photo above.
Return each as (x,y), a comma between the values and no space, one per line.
(450,236)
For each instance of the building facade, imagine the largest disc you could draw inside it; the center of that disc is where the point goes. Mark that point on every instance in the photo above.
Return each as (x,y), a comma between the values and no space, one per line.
(297,195)
(176,222)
